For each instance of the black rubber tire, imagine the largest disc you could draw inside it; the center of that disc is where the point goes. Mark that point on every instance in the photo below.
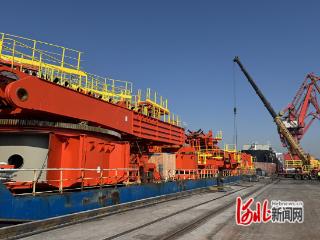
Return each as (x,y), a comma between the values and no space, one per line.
(297,177)
(305,177)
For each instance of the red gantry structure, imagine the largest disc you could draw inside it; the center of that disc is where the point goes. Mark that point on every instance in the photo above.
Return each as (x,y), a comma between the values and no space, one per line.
(298,116)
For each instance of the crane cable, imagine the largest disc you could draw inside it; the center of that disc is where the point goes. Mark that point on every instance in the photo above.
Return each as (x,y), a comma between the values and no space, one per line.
(235,130)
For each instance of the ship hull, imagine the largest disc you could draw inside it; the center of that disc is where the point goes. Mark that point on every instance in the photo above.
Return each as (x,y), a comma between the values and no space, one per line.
(20,208)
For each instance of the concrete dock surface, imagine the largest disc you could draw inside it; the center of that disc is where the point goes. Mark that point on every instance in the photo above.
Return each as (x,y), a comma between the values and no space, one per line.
(160,220)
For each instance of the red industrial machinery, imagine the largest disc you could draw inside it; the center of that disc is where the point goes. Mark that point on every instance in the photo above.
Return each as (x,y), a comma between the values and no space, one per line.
(77,129)
(202,151)
(302,111)
(298,117)
(293,123)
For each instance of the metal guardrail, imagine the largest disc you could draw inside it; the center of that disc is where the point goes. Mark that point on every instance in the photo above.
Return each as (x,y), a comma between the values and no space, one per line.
(186,174)
(62,66)
(230,148)
(214,153)
(126,175)
(218,135)
(293,164)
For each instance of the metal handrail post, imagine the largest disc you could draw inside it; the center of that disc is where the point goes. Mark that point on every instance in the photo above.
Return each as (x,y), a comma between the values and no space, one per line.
(34,182)
(82,176)
(61,184)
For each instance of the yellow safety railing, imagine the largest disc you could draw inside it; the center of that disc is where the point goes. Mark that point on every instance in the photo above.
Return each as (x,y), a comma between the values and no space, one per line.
(307,168)
(59,65)
(202,157)
(62,66)
(209,153)
(230,148)
(39,54)
(101,176)
(154,105)
(218,135)
(183,174)
(157,101)
(293,163)
(298,164)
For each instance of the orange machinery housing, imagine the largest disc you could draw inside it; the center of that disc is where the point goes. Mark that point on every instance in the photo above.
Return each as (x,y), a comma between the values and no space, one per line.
(203,153)
(88,152)
(247,165)
(113,136)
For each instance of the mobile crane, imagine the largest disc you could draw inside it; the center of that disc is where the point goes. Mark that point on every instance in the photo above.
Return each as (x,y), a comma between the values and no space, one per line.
(290,129)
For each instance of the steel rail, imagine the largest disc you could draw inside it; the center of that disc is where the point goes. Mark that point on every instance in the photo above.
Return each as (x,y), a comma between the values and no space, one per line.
(197,222)
(177,213)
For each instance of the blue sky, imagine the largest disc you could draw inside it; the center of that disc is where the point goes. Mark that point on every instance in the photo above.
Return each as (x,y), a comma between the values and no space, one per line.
(184,50)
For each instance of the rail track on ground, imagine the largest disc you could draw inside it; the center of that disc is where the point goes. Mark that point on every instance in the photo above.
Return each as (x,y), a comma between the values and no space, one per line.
(194,223)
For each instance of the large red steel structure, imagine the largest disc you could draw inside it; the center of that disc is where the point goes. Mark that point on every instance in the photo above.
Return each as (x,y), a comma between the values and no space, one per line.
(304,108)
(82,130)
(29,96)
(298,116)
